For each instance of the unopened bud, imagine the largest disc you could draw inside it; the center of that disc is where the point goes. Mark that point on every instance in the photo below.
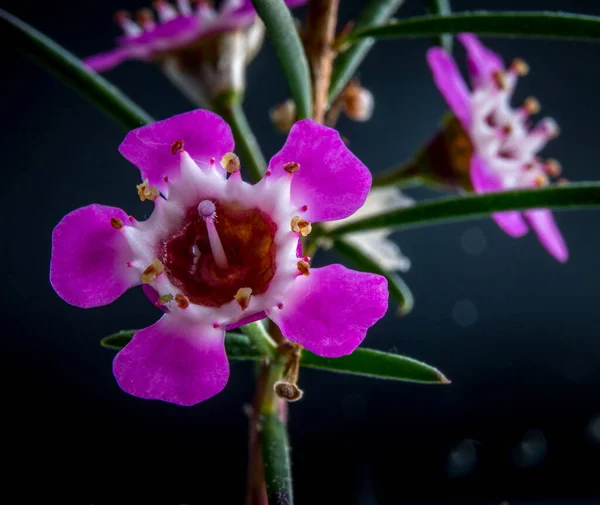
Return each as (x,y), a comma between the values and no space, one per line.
(283,116)
(288,391)
(358,103)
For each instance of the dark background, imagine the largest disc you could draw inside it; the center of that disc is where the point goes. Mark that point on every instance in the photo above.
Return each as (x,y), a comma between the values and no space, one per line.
(515,331)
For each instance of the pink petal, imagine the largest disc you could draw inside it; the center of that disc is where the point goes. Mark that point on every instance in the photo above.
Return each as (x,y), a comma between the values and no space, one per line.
(105,61)
(450,83)
(485,181)
(543,223)
(329,311)
(481,61)
(89,257)
(205,135)
(174,361)
(331,182)
(247,320)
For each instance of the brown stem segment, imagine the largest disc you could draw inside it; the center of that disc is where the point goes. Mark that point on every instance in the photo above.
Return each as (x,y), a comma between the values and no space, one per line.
(318,37)
(256,492)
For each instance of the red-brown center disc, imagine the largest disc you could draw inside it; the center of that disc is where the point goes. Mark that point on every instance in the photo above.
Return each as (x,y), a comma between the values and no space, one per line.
(247,236)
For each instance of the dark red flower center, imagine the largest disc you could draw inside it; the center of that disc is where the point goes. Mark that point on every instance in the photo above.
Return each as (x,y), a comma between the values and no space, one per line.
(247,236)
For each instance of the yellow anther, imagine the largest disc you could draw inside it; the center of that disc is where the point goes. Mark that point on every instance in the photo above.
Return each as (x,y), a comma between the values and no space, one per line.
(291,167)
(152,272)
(231,163)
(552,168)
(301,226)
(499,79)
(303,267)
(147,192)
(531,105)
(243,296)
(116,223)
(177,147)
(520,66)
(182,301)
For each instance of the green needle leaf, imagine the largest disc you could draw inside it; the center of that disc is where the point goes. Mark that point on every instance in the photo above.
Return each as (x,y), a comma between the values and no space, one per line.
(398,288)
(442,8)
(284,36)
(377,364)
(525,24)
(68,68)
(367,362)
(230,108)
(568,196)
(346,63)
(276,456)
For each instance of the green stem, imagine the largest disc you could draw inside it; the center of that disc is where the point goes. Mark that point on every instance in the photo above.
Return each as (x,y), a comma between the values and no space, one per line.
(442,8)
(68,68)
(260,338)
(346,64)
(230,107)
(569,196)
(405,175)
(275,445)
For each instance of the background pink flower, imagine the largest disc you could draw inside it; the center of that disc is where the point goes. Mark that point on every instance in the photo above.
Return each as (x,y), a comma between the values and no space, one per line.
(505,146)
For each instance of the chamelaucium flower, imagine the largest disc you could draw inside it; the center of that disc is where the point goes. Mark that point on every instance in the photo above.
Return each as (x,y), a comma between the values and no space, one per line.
(202,50)
(217,252)
(497,146)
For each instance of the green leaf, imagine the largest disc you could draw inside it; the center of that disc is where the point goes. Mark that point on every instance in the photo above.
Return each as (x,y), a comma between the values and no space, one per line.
(568,196)
(398,288)
(525,24)
(346,63)
(230,108)
(284,36)
(442,8)
(377,364)
(368,362)
(68,68)
(276,457)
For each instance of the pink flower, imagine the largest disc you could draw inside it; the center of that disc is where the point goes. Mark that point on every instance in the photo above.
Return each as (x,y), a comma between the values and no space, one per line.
(177,29)
(504,144)
(219,252)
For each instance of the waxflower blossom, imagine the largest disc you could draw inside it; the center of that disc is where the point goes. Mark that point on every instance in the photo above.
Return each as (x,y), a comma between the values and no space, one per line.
(202,50)
(495,143)
(218,252)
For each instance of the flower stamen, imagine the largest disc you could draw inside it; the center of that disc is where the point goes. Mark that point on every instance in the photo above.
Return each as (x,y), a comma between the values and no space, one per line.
(116,223)
(231,163)
(152,272)
(520,67)
(243,296)
(303,267)
(147,192)
(208,211)
(177,147)
(291,167)
(129,27)
(182,301)
(301,226)
(145,18)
